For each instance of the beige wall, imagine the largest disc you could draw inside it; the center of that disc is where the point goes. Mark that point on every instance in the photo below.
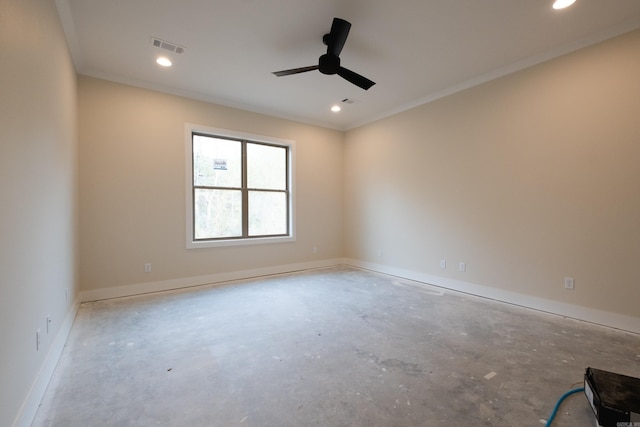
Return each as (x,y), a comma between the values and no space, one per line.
(37,195)
(132,188)
(527,179)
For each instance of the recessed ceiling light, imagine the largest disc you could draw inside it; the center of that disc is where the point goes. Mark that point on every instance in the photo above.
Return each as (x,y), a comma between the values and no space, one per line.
(335,108)
(561,4)
(164,61)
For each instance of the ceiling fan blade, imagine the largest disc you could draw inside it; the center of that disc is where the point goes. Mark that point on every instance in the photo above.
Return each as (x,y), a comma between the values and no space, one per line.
(355,78)
(295,71)
(338,36)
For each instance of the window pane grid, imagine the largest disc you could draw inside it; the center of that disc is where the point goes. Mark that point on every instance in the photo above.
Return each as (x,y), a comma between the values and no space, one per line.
(223,211)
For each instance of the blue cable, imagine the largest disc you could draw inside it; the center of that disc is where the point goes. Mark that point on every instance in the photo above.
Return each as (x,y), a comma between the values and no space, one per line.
(564,396)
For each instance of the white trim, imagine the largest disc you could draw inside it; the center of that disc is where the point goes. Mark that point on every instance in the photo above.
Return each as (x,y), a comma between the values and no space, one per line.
(600,317)
(504,71)
(206,280)
(30,406)
(189,129)
(524,63)
(591,315)
(31,403)
(237,242)
(70,33)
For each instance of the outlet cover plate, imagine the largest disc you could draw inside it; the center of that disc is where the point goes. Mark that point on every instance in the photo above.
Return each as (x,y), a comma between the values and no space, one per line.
(569,283)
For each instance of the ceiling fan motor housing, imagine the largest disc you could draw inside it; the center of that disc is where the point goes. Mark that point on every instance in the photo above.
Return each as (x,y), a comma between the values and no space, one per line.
(329,64)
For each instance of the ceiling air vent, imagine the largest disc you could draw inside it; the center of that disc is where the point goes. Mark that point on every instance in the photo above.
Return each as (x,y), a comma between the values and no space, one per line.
(163,44)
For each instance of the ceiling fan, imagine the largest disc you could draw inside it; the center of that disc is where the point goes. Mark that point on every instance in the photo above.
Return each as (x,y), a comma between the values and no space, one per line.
(329,63)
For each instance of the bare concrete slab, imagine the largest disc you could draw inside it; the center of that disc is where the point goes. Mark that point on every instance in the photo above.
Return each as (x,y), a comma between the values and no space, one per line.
(334,347)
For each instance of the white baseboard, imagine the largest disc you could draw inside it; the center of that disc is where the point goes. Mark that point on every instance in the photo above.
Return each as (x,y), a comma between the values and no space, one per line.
(209,279)
(603,318)
(32,402)
(39,387)
(600,317)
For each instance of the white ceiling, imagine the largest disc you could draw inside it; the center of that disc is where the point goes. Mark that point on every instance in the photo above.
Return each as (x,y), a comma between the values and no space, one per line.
(415,50)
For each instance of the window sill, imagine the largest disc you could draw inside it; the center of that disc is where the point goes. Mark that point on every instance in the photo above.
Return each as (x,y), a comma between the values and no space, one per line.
(202,244)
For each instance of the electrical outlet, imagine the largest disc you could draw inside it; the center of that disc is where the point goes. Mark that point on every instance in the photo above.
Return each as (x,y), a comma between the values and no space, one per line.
(443,263)
(462,267)
(380,253)
(38,340)
(569,283)
(147,267)
(315,250)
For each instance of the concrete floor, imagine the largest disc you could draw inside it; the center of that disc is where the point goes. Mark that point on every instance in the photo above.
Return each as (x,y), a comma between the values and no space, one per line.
(335,347)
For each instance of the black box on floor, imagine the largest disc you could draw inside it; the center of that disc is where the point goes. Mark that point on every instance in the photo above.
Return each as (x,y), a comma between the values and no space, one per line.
(614,398)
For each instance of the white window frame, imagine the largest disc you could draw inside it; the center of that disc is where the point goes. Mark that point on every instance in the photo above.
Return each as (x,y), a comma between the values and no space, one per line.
(190,129)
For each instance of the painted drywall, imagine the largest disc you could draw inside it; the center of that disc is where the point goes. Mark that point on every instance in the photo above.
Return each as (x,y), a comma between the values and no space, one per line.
(132,190)
(527,179)
(38,198)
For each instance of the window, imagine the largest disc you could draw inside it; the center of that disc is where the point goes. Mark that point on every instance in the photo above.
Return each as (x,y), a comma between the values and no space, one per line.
(239,188)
